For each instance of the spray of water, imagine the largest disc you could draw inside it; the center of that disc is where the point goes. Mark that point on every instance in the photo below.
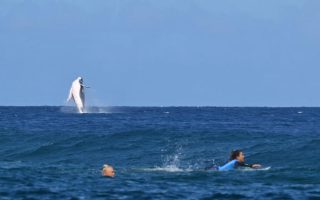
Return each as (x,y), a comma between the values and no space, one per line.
(172,162)
(93,104)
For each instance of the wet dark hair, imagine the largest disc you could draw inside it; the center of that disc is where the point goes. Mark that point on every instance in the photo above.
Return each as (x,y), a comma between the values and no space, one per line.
(234,154)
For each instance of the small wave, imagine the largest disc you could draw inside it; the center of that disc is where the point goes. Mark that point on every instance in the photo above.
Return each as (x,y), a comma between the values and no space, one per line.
(39,150)
(12,165)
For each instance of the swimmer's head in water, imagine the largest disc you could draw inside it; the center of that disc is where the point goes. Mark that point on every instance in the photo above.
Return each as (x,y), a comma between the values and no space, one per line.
(237,155)
(108,171)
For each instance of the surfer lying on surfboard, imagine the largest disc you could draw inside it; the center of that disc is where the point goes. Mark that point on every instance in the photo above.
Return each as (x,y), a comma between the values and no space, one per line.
(236,161)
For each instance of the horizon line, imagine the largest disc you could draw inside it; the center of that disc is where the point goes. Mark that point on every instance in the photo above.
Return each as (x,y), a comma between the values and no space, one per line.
(167,106)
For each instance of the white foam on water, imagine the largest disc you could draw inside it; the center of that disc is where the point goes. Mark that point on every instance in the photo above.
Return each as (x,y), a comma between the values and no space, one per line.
(68,109)
(98,110)
(165,169)
(171,163)
(88,110)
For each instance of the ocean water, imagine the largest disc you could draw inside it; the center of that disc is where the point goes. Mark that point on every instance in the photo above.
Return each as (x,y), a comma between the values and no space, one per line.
(158,152)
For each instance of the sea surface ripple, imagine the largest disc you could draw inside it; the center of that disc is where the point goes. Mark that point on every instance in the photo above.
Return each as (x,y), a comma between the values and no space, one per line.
(158,152)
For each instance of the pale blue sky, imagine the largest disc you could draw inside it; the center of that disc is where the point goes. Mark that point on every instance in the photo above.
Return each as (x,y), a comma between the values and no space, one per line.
(161,52)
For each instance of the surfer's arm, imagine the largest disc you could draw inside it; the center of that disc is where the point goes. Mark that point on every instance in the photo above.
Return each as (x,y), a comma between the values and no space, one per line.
(242,164)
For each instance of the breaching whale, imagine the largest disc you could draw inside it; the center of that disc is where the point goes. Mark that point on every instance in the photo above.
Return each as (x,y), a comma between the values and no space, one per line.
(77,94)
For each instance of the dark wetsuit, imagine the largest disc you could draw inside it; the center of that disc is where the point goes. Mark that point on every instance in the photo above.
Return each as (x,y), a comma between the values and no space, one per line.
(242,164)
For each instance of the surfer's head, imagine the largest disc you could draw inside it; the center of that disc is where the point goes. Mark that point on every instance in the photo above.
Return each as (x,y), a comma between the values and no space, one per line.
(237,155)
(108,171)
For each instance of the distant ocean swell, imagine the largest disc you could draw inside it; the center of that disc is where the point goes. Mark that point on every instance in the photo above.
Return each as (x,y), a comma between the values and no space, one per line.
(158,153)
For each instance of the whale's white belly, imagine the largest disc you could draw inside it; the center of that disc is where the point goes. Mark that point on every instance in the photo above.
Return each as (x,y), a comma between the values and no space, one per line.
(78,95)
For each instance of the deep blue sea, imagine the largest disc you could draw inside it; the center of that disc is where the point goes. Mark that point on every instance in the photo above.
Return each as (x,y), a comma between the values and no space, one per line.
(158,152)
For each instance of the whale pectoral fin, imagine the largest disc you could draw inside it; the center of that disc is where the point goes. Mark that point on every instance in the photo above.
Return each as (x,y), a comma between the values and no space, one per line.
(70,95)
(69,98)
